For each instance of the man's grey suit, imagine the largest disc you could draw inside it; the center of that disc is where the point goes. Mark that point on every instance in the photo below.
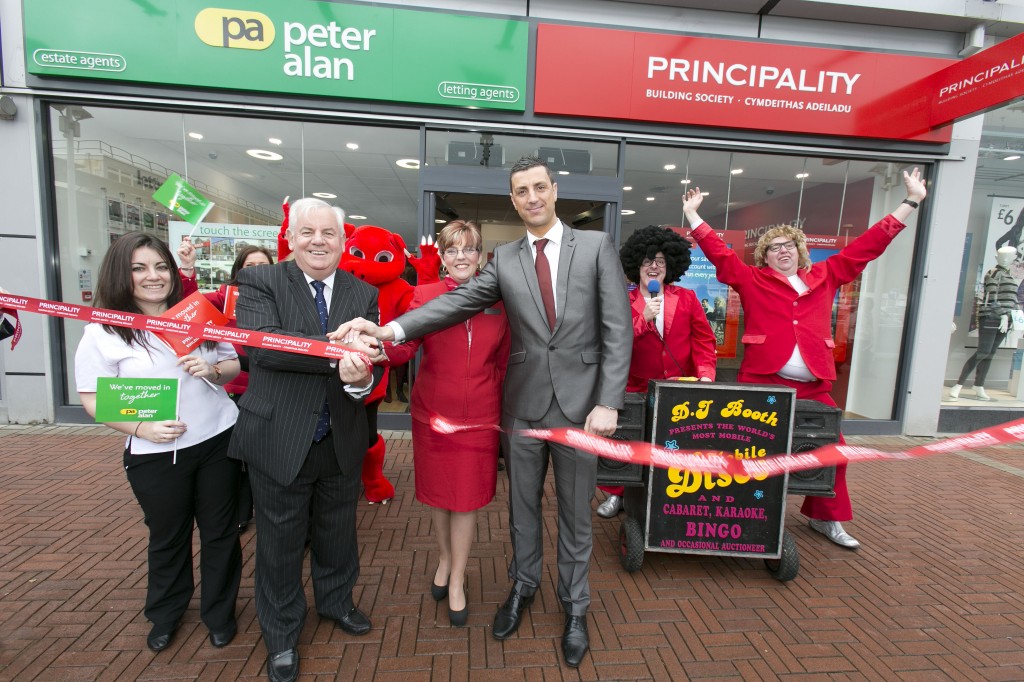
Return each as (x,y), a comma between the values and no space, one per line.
(273,436)
(554,378)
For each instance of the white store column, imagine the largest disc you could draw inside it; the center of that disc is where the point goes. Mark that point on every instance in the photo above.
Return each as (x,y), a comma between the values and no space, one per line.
(949,214)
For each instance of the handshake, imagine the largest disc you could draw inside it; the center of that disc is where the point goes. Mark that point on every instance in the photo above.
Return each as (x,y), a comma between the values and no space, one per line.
(363,336)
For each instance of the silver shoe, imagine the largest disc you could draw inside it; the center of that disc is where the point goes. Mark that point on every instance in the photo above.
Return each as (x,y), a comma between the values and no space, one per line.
(833,530)
(610,507)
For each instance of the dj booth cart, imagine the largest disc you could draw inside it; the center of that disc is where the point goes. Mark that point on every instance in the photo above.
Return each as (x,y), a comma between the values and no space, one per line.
(683,512)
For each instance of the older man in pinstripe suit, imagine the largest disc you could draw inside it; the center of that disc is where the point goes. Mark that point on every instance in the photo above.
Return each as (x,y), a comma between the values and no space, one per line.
(302,431)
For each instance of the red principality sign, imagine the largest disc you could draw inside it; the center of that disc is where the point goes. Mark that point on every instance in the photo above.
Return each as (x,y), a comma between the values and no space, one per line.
(721,83)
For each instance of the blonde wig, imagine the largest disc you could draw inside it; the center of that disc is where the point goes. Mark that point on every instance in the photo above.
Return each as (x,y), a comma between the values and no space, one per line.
(789,232)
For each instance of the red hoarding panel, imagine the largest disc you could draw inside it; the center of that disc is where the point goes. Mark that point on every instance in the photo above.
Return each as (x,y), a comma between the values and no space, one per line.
(989,79)
(605,73)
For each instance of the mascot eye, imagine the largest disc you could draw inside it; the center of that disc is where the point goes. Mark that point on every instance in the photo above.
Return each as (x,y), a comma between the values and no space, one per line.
(384,257)
(356,251)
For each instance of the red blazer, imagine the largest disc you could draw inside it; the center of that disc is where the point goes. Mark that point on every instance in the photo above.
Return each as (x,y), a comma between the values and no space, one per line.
(775,317)
(688,340)
(463,367)
(188,287)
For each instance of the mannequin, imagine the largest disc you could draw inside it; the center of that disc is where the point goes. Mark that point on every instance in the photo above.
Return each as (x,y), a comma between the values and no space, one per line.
(999,300)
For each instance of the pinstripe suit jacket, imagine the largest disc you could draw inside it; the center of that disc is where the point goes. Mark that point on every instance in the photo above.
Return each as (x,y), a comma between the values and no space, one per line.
(279,411)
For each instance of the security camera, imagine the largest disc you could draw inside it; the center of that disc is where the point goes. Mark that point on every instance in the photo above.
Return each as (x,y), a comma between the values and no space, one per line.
(213,156)
(769,190)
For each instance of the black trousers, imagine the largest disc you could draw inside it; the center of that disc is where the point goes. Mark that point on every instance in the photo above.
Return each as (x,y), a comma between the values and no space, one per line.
(322,500)
(989,340)
(199,489)
(244,489)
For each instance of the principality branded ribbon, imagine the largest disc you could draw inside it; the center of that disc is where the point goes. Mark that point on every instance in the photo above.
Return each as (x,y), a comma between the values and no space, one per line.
(207,332)
(632,452)
(720,462)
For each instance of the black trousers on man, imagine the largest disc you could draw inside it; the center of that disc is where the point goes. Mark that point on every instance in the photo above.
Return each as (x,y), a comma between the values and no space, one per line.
(321,497)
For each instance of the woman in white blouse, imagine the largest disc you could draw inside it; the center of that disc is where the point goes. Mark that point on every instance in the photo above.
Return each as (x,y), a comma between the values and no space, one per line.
(178,469)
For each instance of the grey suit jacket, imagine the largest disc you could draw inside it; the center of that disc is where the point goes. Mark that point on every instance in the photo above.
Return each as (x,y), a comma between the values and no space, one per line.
(279,410)
(585,361)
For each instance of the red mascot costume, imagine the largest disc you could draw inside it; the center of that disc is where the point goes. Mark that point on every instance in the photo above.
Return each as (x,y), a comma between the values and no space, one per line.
(378,257)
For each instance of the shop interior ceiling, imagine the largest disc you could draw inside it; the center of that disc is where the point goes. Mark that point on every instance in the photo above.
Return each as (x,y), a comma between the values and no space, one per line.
(369,182)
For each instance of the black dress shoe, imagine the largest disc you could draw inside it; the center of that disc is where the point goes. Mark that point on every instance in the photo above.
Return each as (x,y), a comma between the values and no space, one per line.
(160,636)
(354,622)
(283,666)
(506,620)
(575,640)
(458,618)
(438,592)
(221,638)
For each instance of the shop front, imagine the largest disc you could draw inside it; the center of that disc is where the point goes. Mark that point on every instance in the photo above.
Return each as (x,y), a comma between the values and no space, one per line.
(351,103)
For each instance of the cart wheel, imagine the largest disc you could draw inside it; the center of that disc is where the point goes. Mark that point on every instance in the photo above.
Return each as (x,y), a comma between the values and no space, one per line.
(631,544)
(788,565)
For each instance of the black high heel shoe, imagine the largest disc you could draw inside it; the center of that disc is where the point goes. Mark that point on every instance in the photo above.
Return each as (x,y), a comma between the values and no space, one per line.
(438,592)
(458,618)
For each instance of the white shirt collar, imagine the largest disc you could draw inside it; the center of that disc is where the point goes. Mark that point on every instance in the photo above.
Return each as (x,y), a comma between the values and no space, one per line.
(329,281)
(554,235)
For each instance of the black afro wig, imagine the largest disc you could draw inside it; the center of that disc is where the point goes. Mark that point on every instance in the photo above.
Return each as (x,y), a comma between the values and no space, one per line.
(646,242)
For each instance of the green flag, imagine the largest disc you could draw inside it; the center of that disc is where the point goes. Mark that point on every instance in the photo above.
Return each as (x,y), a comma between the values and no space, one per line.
(183,200)
(136,400)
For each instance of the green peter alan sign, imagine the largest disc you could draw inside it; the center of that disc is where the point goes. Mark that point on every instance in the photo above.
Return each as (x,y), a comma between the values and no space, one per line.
(136,400)
(297,47)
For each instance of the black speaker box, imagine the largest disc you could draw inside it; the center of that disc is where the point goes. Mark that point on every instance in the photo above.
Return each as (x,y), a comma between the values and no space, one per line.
(631,427)
(472,154)
(571,160)
(814,425)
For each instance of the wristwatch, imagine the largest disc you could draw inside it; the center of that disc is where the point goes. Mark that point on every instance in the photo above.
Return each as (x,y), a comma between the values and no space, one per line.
(910,203)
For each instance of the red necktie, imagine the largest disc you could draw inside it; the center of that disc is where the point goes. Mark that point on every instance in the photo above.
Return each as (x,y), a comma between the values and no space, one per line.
(544,279)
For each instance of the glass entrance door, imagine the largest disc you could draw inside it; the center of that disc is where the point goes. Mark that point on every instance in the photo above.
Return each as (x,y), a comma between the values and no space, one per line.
(584,203)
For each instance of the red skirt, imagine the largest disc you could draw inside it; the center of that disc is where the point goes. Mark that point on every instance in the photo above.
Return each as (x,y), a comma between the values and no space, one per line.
(454,471)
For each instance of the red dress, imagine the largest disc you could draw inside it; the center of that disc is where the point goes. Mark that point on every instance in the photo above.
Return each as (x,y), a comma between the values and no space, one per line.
(460,378)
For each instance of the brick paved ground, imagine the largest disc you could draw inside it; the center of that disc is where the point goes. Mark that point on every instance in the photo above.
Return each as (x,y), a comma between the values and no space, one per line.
(936,593)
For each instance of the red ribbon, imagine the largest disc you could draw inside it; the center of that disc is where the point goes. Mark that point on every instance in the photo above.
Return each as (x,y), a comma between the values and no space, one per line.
(207,332)
(720,462)
(17,325)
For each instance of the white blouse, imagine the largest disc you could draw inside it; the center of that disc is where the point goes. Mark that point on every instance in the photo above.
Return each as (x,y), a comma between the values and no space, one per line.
(206,411)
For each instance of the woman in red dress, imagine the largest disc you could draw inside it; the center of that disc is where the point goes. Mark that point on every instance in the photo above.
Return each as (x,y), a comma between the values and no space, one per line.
(671,333)
(460,378)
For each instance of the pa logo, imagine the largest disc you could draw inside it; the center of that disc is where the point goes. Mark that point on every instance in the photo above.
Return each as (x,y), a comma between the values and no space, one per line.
(235,28)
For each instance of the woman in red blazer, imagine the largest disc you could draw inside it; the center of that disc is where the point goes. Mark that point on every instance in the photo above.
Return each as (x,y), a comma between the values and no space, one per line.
(460,378)
(671,334)
(787,311)
(248,257)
